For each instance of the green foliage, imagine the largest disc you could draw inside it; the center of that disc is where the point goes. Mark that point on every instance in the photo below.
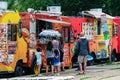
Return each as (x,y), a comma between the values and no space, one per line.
(69,7)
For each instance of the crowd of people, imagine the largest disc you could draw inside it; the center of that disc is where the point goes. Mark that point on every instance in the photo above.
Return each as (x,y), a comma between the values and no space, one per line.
(54,56)
(55,52)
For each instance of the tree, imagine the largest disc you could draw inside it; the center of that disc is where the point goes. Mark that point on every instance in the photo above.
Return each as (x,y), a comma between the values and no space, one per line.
(115,7)
(69,7)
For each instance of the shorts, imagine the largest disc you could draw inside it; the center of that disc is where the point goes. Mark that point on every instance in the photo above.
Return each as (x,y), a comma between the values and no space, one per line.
(57,64)
(39,62)
(50,61)
(82,59)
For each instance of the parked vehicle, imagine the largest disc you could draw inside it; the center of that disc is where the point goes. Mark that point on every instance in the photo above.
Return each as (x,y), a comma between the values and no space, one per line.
(13,50)
(115,39)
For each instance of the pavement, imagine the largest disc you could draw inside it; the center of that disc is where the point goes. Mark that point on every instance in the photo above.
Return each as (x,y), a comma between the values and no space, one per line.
(96,72)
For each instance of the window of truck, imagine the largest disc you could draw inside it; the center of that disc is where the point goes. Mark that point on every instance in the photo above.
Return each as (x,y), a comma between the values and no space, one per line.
(42,25)
(115,30)
(98,28)
(20,29)
(67,34)
(12,32)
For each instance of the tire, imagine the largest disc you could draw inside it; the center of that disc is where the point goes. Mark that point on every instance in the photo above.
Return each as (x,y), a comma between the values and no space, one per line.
(90,63)
(113,56)
(94,56)
(19,69)
(27,70)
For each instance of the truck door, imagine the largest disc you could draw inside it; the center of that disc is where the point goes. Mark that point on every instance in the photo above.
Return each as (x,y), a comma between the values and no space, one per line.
(68,39)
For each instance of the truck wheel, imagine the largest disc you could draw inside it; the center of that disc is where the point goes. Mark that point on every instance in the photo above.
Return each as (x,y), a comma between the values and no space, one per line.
(113,56)
(93,55)
(19,70)
(90,63)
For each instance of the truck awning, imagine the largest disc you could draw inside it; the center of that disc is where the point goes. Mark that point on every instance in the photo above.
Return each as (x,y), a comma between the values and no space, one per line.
(54,21)
(97,14)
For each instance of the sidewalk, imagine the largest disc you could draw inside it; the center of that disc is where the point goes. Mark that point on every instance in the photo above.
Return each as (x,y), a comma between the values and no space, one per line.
(96,72)
(113,78)
(43,78)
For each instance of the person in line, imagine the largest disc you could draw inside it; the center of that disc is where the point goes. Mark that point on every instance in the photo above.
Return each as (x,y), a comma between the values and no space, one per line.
(61,46)
(82,48)
(55,43)
(50,57)
(39,54)
(56,62)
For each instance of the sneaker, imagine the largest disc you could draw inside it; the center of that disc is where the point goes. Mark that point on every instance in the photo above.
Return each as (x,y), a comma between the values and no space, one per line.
(39,74)
(58,74)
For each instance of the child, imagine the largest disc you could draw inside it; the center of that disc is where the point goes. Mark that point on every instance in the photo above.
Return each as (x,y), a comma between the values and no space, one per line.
(56,61)
(38,54)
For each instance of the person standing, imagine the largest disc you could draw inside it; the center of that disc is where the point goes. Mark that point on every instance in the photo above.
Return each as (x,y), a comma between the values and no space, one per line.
(55,43)
(61,46)
(76,56)
(82,48)
(39,54)
(56,61)
(56,46)
(50,57)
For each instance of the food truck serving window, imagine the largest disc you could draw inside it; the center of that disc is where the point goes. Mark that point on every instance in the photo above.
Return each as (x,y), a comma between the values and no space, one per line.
(67,34)
(12,32)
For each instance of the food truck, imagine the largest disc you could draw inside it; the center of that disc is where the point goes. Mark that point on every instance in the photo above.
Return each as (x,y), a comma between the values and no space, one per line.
(98,30)
(95,24)
(116,38)
(38,22)
(13,47)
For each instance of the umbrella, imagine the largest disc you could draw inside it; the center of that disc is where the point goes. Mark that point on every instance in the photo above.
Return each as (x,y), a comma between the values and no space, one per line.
(49,34)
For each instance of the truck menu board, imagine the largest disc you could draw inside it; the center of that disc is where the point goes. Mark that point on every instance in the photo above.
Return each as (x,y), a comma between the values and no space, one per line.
(88,30)
(3,41)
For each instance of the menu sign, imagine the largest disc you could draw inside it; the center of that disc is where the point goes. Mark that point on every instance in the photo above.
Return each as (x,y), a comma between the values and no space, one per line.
(3,41)
(3,37)
(88,30)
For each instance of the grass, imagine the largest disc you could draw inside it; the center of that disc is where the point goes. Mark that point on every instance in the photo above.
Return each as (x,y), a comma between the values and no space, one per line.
(115,69)
(109,63)
(118,63)
(101,71)
(107,77)
(86,78)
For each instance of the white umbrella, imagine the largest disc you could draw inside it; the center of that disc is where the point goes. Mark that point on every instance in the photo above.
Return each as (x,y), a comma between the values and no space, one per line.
(49,33)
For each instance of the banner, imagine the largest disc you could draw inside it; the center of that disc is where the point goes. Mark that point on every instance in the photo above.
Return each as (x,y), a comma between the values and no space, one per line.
(104,23)
(105,29)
